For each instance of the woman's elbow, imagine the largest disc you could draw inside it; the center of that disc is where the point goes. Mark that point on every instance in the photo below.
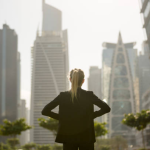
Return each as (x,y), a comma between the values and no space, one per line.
(108,109)
(43,112)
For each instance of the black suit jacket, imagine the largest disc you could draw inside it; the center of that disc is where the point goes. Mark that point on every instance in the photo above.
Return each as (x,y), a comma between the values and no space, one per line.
(76,119)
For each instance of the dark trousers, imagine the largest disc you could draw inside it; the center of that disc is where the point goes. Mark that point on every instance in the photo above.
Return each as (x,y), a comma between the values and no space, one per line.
(72,146)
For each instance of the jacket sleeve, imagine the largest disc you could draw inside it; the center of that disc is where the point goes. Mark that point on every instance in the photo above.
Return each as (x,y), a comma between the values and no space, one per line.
(104,108)
(47,109)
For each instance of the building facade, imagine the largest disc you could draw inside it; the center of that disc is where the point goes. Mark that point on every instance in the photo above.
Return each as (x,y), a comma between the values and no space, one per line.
(9,75)
(50,68)
(144,72)
(145,10)
(144,89)
(24,137)
(120,85)
(52,18)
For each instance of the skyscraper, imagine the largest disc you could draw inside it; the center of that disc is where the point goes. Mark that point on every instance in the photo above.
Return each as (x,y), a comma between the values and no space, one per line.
(119,77)
(144,89)
(50,67)
(9,75)
(23,138)
(94,80)
(94,84)
(144,72)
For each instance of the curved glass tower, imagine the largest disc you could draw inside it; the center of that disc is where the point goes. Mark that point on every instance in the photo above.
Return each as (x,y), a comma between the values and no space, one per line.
(120,92)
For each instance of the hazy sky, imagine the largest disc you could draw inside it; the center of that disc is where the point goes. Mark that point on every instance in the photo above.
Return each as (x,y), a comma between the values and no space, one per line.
(89,24)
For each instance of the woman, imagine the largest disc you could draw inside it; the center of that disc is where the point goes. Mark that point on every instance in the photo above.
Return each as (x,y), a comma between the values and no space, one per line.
(76,114)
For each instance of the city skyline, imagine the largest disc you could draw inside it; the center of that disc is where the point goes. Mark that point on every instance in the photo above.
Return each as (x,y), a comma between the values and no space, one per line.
(41,41)
(81,41)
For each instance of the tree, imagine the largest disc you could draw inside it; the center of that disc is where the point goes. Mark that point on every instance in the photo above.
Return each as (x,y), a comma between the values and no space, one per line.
(100,129)
(29,146)
(13,142)
(13,128)
(139,121)
(52,125)
(118,142)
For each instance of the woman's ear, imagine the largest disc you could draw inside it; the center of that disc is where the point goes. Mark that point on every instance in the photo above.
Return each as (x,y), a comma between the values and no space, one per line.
(70,79)
(83,81)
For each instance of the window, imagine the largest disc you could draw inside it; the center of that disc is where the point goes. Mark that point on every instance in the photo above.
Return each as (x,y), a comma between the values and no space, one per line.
(121,108)
(121,94)
(120,58)
(117,125)
(120,70)
(121,82)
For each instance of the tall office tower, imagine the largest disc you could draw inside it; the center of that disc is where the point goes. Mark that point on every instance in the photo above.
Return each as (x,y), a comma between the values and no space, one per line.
(9,75)
(49,70)
(119,77)
(94,84)
(144,72)
(145,9)
(144,88)
(94,80)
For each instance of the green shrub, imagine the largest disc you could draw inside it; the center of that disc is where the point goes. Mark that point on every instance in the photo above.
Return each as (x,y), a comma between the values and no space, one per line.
(4,146)
(57,147)
(44,147)
(29,146)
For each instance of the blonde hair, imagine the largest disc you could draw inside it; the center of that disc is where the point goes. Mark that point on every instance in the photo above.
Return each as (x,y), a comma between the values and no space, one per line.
(76,77)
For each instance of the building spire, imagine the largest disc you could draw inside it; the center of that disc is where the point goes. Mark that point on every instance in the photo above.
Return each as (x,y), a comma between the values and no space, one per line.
(37,31)
(119,38)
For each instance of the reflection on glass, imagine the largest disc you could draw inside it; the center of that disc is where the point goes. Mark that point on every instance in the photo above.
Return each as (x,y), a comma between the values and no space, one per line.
(117,125)
(120,70)
(121,82)
(120,58)
(121,108)
(121,94)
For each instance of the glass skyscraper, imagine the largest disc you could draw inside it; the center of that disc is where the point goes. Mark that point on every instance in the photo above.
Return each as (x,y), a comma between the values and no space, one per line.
(119,78)
(9,75)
